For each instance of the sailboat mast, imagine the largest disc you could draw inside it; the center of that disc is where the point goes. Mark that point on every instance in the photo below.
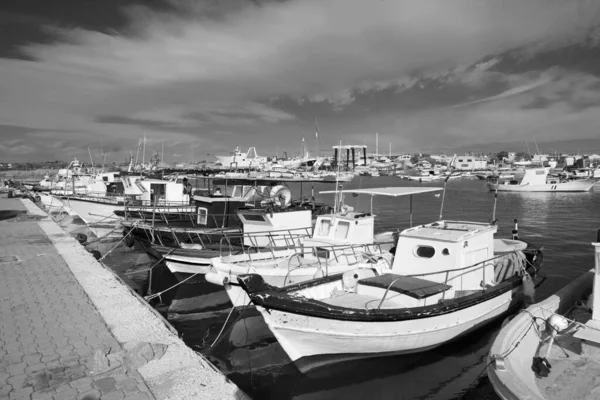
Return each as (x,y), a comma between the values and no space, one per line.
(162,156)
(318,150)
(92,161)
(376,146)
(144,151)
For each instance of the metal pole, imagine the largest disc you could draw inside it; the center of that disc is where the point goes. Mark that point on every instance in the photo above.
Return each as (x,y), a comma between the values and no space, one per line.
(411,198)
(154,213)
(495,200)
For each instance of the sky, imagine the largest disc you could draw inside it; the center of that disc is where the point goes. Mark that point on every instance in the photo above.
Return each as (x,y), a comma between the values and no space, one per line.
(200,77)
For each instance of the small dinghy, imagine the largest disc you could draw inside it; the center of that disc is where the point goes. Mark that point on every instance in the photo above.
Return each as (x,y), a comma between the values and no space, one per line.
(551,349)
(446,280)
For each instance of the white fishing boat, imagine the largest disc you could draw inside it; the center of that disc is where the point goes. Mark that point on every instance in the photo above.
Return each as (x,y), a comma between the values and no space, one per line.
(54,204)
(101,208)
(447,278)
(538,180)
(340,241)
(239,160)
(551,350)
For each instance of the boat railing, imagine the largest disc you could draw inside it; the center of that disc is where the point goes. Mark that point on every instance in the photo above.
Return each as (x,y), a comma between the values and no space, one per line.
(271,240)
(481,265)
(351,254)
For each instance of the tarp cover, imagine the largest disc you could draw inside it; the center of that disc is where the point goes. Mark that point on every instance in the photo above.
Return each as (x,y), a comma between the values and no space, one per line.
(509,265)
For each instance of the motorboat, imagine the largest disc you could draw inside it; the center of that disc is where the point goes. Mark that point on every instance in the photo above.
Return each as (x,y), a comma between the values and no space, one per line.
(538,180)
(550,350)
(239,160)
(447,278)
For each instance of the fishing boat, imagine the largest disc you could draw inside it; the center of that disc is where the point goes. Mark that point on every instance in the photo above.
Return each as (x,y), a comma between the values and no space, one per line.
(239,160)
(340,241)
(551,350)
(447,278)
(538,180)
(217,223)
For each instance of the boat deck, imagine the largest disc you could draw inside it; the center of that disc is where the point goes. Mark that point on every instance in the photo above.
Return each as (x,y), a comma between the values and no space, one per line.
(362,301)
(573,374)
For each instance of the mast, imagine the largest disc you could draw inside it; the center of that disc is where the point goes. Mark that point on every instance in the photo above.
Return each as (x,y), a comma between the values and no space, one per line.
(144,151)
(376,146)
(317,138)
(137,156)
(390,155)
(162,155)
(92,161)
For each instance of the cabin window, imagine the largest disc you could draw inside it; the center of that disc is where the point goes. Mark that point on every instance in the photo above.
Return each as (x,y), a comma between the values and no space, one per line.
(202,216)
(341,230)
(254,217)
(464,165)
(425,251)
(105,178)
(324,227)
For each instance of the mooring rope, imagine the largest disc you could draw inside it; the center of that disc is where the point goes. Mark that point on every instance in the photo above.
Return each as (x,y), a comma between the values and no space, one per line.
(153,296)
(118,243)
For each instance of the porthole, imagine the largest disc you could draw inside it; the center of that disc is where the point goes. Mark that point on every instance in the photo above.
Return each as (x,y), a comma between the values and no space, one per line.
(425,251)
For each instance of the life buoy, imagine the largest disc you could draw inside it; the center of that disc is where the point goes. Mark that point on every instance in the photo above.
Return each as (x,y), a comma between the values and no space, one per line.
(281,195)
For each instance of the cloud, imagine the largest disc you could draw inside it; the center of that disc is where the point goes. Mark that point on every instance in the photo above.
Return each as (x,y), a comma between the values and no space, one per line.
(211,67)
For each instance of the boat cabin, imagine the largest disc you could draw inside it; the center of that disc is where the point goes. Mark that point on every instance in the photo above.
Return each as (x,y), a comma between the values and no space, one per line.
(451,252)
(217,212)
(155,191)
(343,228)
(534,176)
(274,228)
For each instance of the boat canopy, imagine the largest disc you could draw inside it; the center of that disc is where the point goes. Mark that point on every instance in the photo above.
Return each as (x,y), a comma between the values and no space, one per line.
(388,191)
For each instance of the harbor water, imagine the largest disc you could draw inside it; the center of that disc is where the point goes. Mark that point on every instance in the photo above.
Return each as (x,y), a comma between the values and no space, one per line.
(241,345)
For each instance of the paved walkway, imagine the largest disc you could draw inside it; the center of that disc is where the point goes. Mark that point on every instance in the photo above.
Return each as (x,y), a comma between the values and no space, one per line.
(53,342)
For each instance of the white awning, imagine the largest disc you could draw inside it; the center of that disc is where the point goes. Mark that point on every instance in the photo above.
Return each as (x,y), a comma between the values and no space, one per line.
(388,191)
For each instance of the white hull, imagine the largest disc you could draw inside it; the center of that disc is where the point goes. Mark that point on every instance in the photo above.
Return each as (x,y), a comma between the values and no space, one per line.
(99,217)
(572,186)
(425,178)
(179,265)
(54,205)
(515,380)
(282,273)
(306,336)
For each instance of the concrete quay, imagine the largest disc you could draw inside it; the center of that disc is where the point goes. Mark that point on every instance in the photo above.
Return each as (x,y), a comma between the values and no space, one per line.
(70,328)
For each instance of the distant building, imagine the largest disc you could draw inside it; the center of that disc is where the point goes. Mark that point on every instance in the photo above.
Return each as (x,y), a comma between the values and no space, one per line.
(469,163)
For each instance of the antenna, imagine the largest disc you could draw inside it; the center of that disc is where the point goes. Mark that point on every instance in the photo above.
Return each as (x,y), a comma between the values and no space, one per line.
(337,175)
(444,191)
(92,161)
(137,156)
(317,138)
(144,151)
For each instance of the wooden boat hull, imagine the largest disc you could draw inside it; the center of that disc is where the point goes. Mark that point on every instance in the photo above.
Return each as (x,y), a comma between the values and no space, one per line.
(305,337)
(515,380)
